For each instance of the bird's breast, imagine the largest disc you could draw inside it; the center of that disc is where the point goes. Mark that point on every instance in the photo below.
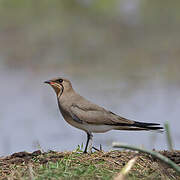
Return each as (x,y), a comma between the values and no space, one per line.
(67,116)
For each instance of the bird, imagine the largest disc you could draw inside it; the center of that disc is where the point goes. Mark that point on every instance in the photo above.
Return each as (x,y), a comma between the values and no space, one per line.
(89,117)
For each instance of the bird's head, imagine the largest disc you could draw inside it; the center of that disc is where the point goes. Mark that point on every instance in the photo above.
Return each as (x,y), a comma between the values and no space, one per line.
(60,85)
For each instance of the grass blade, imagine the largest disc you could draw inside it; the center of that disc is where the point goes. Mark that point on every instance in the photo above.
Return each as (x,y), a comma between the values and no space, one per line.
(168,136)
(153,153)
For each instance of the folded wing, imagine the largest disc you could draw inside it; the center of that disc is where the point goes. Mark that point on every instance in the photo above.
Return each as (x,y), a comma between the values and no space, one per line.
(97,115)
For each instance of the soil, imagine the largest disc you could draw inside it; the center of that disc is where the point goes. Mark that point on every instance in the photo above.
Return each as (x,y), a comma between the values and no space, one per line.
(112,159)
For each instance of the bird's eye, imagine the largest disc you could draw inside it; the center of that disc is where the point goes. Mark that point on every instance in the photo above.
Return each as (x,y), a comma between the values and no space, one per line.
(60,80)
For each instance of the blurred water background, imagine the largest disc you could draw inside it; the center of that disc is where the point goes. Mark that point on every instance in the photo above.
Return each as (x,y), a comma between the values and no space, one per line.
(121,54)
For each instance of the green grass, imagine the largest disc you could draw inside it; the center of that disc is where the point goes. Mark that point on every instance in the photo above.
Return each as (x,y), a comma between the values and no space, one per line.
(75,165)
(64,169)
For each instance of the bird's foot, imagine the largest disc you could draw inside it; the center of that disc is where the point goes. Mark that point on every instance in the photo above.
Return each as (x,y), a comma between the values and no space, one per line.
(96,149)
(85,152)
(100,148)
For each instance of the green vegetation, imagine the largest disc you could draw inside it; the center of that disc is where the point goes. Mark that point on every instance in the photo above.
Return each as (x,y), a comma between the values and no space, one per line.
(168,136)
(75,165)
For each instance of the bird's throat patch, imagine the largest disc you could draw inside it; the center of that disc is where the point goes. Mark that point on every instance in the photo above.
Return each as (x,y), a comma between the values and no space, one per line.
(61,91)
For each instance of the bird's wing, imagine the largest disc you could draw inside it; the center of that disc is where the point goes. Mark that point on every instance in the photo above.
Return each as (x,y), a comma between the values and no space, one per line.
(94,114)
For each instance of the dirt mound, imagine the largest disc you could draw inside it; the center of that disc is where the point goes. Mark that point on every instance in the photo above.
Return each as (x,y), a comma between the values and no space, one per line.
(114,160)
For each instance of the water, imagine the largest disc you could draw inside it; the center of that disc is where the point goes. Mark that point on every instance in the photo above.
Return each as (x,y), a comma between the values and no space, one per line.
(29,115)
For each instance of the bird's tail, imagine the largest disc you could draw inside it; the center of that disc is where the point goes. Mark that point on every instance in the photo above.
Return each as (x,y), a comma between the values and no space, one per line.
(137,126)
(148,126)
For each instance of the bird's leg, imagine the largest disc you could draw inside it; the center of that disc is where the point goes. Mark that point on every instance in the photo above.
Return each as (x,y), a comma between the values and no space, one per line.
(100,147)
(90,144)
(89,137)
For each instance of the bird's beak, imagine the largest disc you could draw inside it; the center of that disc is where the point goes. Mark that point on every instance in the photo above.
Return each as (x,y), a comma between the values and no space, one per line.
(47,82)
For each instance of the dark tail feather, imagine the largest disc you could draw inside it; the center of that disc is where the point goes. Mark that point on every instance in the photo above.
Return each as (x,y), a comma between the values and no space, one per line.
(137,126)
(148,126)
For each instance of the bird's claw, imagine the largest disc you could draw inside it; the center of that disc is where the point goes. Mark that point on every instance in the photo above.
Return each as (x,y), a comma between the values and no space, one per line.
(100,148)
